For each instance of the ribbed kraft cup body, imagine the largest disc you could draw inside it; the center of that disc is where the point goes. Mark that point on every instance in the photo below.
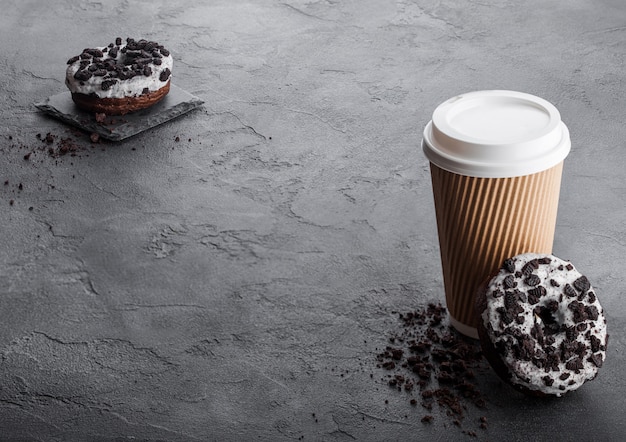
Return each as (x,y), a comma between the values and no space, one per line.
(483,221)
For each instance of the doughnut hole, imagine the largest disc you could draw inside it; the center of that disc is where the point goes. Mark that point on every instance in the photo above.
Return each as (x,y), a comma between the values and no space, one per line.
(549,317)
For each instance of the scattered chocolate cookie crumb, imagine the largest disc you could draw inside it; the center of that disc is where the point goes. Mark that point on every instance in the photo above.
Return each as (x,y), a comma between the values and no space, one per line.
(428,419)
(67,145)
(434,364)
(483,422)
(59,146)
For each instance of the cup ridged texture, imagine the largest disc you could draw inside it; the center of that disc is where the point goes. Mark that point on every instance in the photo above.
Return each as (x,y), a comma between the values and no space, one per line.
(483,221)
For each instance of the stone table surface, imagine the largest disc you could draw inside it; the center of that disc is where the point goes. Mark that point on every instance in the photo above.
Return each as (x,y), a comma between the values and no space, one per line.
(234,273)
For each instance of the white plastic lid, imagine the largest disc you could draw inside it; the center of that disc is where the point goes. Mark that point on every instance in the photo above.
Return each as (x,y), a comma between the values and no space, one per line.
(495,134)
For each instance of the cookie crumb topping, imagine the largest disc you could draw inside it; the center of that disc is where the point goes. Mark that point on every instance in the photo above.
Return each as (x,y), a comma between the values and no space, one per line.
(135,60)
(119,69)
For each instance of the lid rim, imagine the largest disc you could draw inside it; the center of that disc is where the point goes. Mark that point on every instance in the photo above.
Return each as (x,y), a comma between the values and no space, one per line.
(482,169)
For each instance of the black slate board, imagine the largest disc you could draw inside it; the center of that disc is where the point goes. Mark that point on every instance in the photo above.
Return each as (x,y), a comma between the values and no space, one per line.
(116,128)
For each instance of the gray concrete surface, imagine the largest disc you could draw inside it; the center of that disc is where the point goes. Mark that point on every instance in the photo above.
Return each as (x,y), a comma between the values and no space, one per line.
(238,284)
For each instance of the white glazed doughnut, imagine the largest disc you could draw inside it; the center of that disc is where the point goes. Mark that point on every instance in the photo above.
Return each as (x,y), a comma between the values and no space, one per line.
(121,77)
(541,325)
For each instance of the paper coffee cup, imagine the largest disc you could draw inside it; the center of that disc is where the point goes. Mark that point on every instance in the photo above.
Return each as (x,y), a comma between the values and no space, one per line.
(496,161)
